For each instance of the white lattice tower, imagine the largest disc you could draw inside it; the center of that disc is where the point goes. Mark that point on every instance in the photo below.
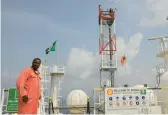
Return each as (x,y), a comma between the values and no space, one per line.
(107,45)
(45,84)
(107,51)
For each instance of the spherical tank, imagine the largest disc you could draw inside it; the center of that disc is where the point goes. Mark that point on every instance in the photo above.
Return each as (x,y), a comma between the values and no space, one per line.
(162,94)
(77,98)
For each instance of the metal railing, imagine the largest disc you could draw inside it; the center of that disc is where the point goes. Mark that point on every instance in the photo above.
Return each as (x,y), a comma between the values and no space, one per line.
(161,50)
(108,64)
(59,69)
(160,69)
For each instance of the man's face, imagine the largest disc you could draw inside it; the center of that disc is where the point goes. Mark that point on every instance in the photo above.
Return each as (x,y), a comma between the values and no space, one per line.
(36,64)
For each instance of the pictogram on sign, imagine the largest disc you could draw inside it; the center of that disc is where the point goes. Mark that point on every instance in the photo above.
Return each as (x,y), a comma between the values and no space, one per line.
(130,102)
(109,91)
(117,103)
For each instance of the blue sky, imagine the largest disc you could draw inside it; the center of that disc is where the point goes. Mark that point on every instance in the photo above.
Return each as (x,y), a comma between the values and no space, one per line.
(29,27)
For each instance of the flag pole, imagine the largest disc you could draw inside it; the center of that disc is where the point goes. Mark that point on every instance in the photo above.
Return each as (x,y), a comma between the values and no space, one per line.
(56,53)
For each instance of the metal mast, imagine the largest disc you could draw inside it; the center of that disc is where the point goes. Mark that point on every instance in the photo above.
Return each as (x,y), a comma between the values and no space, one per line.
(107,47)
(107,52)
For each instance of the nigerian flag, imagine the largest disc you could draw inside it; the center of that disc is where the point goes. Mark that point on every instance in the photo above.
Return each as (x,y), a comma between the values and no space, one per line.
(51,48)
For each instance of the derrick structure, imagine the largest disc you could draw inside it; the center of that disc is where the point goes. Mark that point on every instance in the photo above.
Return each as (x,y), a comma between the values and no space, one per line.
(107,47)
(107,52)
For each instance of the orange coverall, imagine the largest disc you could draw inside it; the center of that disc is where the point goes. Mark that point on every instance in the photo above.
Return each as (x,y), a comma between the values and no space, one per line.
(28,83)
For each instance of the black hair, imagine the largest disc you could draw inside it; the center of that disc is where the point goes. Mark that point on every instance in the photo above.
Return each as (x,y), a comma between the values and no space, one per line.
(37,59)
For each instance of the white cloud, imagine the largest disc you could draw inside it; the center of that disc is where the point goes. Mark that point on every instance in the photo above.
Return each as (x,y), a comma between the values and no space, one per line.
(157,12)
(154,71)
(132,48)
(84,64)
(81,63)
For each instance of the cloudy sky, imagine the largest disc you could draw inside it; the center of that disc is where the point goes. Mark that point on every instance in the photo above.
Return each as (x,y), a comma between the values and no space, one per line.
(29,27)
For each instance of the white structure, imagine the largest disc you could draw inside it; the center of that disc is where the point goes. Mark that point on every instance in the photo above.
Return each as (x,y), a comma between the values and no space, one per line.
(45,82)
(162,52)
(107,52)
(57,73)
(51,77)
(77,98)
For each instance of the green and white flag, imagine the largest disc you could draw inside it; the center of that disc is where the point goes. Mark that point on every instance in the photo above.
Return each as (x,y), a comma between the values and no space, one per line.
(51,48)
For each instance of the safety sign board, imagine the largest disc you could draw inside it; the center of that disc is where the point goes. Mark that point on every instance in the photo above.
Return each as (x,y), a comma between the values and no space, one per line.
(126,97)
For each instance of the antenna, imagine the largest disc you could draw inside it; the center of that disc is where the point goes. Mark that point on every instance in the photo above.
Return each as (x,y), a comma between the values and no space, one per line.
(113,1)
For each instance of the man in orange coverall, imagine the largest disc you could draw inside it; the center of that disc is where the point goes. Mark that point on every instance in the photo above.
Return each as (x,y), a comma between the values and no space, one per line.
(28,86)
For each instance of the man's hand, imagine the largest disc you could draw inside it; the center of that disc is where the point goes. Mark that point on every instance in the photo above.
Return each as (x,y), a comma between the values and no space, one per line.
(40,97)
(25,99)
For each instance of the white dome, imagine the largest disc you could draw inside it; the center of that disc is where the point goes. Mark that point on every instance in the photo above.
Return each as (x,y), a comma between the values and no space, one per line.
(77,98)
